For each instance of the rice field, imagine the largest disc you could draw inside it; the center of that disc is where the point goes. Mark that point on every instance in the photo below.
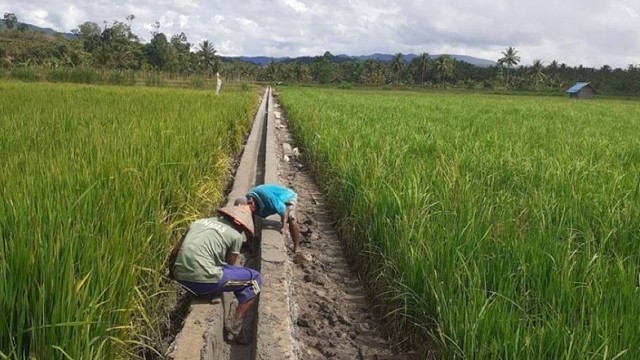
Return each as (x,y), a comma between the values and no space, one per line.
(500,227)
(96,184)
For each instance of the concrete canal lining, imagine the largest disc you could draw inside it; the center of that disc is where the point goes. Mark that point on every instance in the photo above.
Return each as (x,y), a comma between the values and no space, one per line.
(202,334)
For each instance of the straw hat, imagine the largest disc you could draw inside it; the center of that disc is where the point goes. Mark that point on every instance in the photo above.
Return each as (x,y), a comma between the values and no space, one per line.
(240,214)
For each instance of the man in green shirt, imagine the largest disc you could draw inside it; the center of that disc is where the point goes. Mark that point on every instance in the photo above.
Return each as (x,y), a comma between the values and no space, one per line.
(203,260)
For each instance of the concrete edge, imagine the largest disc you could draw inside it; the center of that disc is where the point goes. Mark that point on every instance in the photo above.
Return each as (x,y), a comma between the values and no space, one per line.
(271,156)
(245,177)
(201,336)
(274,338)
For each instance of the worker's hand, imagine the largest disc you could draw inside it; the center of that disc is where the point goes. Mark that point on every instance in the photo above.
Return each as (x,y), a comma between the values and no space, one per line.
(231,259)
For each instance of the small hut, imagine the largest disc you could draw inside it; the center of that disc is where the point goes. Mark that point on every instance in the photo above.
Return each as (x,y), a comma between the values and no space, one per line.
(581,90)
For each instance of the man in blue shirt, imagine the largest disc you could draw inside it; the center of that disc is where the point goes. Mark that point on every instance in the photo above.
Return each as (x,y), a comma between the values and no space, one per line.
(268,199)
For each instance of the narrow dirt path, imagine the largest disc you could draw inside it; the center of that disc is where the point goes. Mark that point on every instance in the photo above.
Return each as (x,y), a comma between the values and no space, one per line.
(331,312)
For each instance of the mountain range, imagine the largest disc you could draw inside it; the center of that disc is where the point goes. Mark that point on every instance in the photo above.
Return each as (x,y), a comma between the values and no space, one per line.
(264,60)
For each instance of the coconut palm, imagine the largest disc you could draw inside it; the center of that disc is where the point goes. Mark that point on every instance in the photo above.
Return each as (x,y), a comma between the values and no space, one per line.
(509,58)
(536,73)
(374,73)
(274,71)
(424,62)
(207,57)
(444,67)
(397,64)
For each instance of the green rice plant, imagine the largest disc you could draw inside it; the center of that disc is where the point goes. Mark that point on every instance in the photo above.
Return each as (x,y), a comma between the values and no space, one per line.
(96,184)
(499,227)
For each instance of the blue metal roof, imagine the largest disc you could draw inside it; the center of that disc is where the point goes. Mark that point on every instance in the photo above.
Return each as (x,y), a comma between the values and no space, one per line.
(577,87)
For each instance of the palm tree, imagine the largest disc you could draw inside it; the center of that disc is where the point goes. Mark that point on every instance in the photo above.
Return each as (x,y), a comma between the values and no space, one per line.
(424,61)
(444,67)
(397,64)
(274,71)
(510,58)
(207,57)
(536,73)
(374,73)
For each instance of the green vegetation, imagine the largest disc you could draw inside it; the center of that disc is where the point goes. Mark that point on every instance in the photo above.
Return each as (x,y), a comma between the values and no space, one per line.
(96,185)
(499,227)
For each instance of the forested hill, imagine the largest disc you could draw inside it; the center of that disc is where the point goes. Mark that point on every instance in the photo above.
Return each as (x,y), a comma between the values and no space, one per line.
(34,28)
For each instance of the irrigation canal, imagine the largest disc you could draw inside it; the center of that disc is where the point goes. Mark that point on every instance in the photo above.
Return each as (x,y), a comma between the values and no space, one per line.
(309,308)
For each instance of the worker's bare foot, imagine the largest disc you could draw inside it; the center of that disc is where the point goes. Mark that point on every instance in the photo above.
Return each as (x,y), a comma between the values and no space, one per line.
(300,258)
(233,326)
(216,300)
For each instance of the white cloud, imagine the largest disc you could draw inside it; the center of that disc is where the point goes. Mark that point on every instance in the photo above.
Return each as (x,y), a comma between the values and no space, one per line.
(296,5)
(588,32)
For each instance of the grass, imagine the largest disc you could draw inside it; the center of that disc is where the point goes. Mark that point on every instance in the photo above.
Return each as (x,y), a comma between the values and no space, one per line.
(500,227)
(96,183)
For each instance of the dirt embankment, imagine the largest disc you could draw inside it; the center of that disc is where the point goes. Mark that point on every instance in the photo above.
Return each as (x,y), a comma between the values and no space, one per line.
(331,313)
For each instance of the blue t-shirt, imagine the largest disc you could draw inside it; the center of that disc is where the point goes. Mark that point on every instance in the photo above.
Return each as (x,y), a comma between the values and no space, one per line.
(272,198)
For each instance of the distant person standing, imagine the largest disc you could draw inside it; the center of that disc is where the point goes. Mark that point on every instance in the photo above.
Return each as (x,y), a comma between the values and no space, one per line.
(218,82)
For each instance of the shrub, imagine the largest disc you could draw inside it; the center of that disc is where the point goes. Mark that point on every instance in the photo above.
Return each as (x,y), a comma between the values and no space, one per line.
(24,74)
(197,82)
(58,75)
(119,77)
(84,75)
(153,79)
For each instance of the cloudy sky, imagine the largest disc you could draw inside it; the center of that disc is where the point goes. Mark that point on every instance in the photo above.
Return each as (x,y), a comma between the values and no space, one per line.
(587,32)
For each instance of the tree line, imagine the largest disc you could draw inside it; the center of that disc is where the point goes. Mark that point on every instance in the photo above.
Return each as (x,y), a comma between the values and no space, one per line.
(115,46)
(112,46)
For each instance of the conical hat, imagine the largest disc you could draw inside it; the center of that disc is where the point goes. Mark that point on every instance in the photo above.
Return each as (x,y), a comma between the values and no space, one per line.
(240,214)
